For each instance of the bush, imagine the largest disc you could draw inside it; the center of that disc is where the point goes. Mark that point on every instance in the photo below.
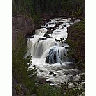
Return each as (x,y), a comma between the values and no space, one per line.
(47,90)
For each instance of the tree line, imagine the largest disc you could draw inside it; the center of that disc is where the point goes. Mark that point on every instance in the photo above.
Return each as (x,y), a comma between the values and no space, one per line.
(38,7)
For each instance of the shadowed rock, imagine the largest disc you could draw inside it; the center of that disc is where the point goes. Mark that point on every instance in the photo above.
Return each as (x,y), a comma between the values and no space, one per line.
(49,31)
(46,35)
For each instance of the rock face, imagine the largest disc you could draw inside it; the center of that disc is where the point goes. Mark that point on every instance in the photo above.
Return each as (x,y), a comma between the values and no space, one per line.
(23,25)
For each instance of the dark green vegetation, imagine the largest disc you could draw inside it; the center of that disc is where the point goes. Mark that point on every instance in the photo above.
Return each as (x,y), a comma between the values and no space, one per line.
(47,90)
(64,90)
(23,82)
(37,8)
(76,41)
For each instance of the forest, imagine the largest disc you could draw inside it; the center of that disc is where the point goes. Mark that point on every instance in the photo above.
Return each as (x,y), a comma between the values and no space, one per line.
(56,7)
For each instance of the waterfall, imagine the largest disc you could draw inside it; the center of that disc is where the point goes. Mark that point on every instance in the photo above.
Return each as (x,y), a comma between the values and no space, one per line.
(39,44)
(49,49)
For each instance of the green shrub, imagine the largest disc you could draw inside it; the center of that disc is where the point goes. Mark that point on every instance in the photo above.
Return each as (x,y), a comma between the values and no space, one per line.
(47,90)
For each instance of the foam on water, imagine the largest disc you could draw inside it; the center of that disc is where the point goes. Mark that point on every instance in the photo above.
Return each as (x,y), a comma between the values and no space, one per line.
(59,72)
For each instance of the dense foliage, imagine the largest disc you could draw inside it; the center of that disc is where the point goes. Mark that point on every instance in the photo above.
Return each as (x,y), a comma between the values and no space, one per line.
(57,7)
(76,40)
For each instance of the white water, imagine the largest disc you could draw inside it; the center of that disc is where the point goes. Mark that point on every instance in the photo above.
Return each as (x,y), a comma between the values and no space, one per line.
(55,49)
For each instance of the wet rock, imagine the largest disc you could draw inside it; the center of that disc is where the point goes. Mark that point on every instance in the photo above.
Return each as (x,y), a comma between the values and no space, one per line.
(66,73)
(41,70)
(76,78)
(57,25)
(46,35)
(48,82)
(42,38)
(70,65)
(67,47)
(51,73)
(71,78)
(41,80)
(64,25)
(65,41)
(50,28)
(71,85)
(31,36)
(61,39)
(47,59)
(50,31)
(57,40)
(54,74)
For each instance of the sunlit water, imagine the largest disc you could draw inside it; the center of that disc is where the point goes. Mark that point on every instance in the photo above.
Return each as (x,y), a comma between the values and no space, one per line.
(49,53)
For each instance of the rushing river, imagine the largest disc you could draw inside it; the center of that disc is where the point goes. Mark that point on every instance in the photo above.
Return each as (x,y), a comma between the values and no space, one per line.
(49,49)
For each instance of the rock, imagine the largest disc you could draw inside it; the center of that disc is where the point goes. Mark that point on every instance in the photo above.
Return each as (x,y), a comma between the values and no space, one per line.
(47,59)
(46,35)
(31,36)
(54,74)
(70,65)
(51,73)
(66,72)
(70,78)
(71,85)
(15,87)
(61,39)
(48,82)
(64,25)
(57,25)
(42,38)
(41,70)
(76,78)
(57,40)
(41,80)
(50,31)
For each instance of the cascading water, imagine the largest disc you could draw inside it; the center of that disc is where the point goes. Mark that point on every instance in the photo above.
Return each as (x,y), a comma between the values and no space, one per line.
(49,51)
